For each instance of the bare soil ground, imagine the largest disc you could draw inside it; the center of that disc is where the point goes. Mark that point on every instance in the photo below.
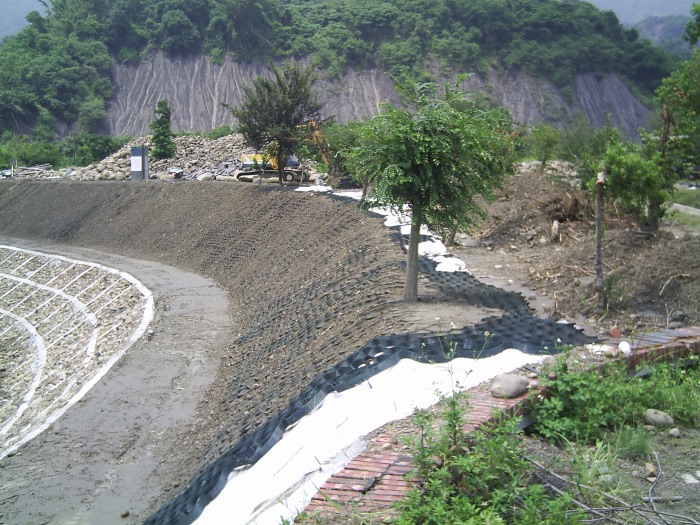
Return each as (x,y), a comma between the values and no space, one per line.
(653,278)
(309,280)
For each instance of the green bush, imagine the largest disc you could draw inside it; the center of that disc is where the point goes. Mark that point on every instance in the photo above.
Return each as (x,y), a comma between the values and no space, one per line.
(477,478)
(587,405)
(77,150)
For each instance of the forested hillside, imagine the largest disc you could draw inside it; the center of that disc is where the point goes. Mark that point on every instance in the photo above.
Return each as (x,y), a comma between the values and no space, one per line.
(56,72)
(666,32)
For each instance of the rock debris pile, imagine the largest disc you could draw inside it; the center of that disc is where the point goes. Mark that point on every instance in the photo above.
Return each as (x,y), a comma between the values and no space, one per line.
(196,158)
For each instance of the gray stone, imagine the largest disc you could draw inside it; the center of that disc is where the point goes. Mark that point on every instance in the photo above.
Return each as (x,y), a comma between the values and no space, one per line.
(509,385)
(658,418)
(674,432)
(678,316)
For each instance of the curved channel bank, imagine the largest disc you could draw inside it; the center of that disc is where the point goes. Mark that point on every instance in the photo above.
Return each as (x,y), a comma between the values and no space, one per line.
(312,280)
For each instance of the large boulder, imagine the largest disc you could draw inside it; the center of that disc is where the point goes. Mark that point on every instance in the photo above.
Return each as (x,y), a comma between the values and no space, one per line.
(509,385)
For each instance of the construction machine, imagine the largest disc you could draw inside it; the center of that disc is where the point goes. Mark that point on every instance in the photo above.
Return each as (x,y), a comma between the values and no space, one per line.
(263,165)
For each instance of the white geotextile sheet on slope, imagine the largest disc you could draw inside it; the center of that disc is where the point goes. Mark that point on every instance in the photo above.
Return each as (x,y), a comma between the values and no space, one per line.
(282,483)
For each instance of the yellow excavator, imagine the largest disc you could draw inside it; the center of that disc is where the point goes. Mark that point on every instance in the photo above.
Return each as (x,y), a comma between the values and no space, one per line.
(261,165)
(264,165)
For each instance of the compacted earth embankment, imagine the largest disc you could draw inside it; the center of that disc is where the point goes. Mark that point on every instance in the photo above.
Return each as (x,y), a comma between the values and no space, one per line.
(310,279)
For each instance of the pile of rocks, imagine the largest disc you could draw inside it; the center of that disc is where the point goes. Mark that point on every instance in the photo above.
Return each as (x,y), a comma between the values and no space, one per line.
(195,158)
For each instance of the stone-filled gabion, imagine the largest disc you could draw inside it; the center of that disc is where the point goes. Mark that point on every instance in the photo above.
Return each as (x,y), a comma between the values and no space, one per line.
(62,322)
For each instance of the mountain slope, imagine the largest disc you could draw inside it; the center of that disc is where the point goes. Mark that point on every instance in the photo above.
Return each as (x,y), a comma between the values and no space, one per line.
(195,88)
(56,72)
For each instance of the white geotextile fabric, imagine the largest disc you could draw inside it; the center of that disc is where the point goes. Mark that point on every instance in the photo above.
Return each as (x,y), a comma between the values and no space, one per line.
(283,482)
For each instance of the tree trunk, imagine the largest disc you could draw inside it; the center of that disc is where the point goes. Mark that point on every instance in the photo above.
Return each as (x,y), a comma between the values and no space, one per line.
(280,169)
(449,239)
(410,293)
(597,259)
(654,214)
(654,207)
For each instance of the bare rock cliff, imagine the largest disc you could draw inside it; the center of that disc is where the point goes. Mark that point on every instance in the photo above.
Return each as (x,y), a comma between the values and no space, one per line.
(195,88)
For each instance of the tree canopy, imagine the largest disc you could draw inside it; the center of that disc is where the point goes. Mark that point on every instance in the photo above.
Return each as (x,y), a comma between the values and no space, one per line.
(679,95)
(275,112)
(163,145)
(433,161)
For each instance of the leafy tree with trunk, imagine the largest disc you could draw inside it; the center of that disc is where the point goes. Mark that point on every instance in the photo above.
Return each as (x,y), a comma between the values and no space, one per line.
(275,112)
(434,161)
(163,144)
(543,140)
(632,177)
(679,97)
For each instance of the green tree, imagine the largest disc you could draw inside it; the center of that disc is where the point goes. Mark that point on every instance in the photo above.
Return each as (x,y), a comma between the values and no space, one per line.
(163,144)
(635,181)
(242,27)
(342,140)
(543,141)
(634,176)
(631,176)
(434,161)
(275,112)
(692,28)
(679,96)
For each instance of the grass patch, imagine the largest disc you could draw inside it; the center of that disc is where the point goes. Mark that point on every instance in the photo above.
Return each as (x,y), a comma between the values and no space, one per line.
(686,220)
(586,406)
(687,197)
(633,442)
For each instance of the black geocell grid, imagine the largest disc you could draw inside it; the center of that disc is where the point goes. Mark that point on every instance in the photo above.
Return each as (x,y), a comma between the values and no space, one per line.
(518,329)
